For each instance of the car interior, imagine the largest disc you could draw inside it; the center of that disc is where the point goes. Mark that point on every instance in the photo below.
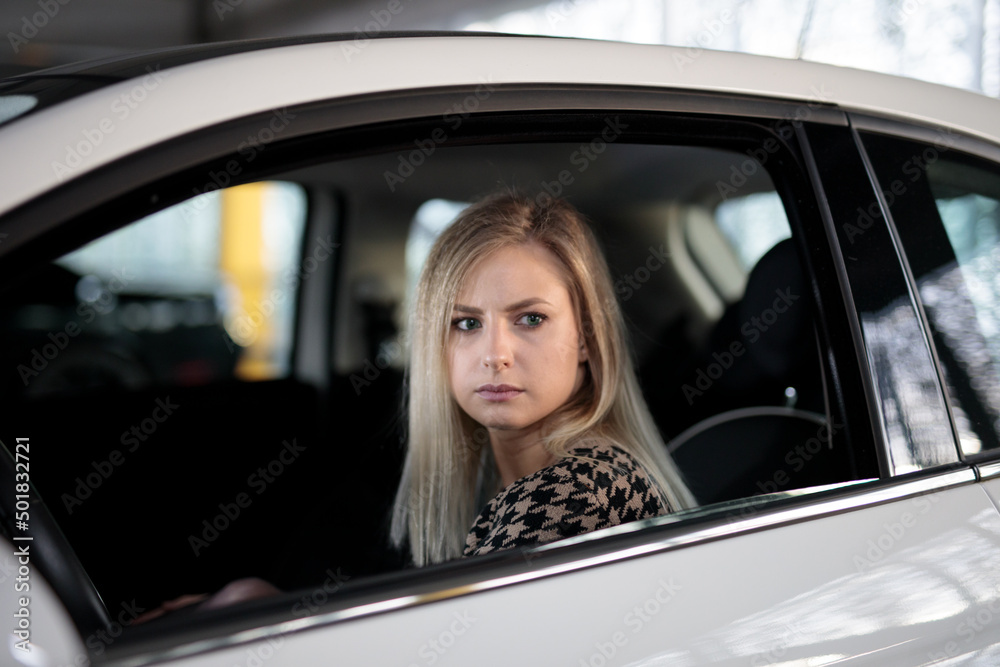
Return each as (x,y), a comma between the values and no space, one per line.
(214,389)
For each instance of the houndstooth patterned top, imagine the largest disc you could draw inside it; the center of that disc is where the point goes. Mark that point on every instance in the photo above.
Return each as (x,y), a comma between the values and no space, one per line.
(570,497)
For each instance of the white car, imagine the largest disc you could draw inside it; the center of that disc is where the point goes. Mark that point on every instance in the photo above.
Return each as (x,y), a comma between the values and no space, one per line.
(204,257)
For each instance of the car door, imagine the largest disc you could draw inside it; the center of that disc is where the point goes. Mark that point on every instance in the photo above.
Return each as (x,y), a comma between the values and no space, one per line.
(867,570)
(865,535)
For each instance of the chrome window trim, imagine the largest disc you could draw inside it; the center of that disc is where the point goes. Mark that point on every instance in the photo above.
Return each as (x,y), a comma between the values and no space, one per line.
(515,567)
(990,470)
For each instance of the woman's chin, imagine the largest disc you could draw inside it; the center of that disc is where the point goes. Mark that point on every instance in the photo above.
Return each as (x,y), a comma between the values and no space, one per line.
(503,423)
(495,424)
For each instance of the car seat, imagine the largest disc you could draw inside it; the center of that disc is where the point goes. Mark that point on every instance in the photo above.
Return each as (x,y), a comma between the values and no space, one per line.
(754,407)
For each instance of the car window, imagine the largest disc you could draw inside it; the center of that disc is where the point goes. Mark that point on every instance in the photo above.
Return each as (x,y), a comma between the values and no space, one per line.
(199,292)
(945,207)
(718,304)
(431,219)
(753,225)
(728,243)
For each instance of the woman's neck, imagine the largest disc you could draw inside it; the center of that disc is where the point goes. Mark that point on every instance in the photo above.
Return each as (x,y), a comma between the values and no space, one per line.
(518,455)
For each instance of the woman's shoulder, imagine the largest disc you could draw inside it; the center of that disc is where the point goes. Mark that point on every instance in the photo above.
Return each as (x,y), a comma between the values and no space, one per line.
(588,465)
(602,457)
(599,484)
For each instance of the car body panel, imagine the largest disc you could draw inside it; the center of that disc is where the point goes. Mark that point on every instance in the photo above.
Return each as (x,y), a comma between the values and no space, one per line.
(992,484)
(112,122)
(898,583)
(53,637)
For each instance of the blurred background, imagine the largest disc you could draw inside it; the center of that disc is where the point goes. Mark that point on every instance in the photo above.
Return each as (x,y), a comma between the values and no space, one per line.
(955,42)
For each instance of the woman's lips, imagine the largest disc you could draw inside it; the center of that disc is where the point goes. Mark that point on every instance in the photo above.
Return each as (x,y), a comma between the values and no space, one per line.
(498,392)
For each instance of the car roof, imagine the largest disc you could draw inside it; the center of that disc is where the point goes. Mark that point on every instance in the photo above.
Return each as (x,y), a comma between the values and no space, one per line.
(54,85)
(197,87)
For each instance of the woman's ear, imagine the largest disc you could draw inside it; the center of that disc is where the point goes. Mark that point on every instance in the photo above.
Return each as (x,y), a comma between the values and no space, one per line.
(582,352)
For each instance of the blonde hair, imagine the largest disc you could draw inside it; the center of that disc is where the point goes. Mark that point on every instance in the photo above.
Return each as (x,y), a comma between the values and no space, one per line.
(448,460)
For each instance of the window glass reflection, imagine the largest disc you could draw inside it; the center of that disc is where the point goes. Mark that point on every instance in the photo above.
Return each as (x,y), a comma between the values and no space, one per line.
(962,299)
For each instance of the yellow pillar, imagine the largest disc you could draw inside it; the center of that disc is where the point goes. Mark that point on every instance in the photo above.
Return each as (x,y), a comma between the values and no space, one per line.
(241,258)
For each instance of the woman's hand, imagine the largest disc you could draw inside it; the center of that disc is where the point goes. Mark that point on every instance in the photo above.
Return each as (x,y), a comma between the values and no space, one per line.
(240,590)
(166,607)
(249,588)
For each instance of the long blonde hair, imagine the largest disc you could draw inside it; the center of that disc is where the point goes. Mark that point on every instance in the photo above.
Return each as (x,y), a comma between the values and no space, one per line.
(448,460)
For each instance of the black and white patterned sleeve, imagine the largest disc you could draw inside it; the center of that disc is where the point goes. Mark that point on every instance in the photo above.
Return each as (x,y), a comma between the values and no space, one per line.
(572,497)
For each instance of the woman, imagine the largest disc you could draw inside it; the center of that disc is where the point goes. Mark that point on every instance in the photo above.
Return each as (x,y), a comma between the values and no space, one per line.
(520,388)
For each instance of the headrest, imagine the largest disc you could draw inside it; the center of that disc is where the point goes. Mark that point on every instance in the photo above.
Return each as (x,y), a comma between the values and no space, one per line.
(775,315)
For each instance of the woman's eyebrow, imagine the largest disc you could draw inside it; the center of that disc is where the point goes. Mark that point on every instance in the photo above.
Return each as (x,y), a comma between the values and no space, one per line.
(524,303)
(468,309)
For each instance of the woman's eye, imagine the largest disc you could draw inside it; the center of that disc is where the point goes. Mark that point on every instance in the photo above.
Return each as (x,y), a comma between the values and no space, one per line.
(532,319)
(467,323)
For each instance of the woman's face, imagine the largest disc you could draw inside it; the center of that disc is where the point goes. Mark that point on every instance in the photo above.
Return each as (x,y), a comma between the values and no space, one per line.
(514,352)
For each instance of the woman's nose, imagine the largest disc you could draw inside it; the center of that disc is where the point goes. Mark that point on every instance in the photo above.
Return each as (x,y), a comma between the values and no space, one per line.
(498,353)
